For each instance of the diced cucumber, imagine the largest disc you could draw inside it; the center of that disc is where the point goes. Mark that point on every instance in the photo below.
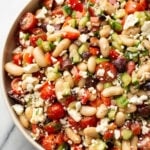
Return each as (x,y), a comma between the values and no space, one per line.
(67,10)
(122,101)
(98,145)
(83,48)
(132,49)
(111,114)
(126,79)
(83,21)
(115,37)
(100,60)
(132,56)
(141,15)
(120,14)
(66,89)
(74,56)
(73,23)
(116,26)
(107,84)
(126,134)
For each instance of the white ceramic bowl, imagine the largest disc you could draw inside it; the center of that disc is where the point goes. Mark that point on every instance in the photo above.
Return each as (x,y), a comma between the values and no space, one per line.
(5,81)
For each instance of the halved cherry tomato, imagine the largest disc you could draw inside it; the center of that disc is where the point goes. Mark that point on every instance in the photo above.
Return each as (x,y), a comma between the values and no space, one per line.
(27,58)
(69,99)
(106,72)
(108,135)
(73,123)
(131,6)
(88,121)
(130,67)
(136,128)
(47,91)
(48,58)
(52,127)
(17,59)
(94,50)
(55,111)
(16,86)
(76,5)
(28,21)
(113,54)
(38,33)
(79,7)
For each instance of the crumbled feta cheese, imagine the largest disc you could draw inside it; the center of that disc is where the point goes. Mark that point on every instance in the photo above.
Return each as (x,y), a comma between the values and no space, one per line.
(92,90)
(76,89)
(18,109)
(103,126)
(50,28)
(59,2)
(146,29)
(110,74)
(74,114)
(138,100)
(83,74)
(37,115)
(38,102)
(30,68)
(78,106)
(41,13)
(117,134)
(130,21)
(83,38)
(100,72)
(145,129)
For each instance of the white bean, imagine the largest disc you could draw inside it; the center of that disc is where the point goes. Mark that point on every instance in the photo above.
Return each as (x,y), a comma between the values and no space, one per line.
(127,41)
(131,31)
(81,82)
(104,46)
(91,132)
(54,36)
(146,44)
(112,91)
(14,69)
(59,88)
(82,66)
(100,86)
(28,113)
(91,64)
(126,145)
(68,78)
(39,57)
(142,69)
(131,108)
(63,45)
(24,121)
(134,142)
(75,138)
(120,119)
(105,31)
(31,68)
(102,111)
(88,110)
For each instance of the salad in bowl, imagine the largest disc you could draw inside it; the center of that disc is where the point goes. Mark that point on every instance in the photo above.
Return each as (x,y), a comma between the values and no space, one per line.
(78,75)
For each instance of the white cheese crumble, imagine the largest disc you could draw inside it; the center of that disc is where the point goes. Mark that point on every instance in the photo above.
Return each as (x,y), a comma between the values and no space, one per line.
(103,126)
(92,90)
(138,100)
(18,109)
(83,74)
(74,114)
(117,134)
(83,38)
(146,29)
(100,72)
(50,28)
(78,106)
(59,2)
(41,13)
(110,74)
(130,21)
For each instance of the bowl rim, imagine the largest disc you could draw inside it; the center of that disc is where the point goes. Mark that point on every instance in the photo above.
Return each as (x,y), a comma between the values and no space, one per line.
(27,7)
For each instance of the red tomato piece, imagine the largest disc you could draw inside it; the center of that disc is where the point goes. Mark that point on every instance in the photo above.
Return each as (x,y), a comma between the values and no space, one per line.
(106,72)
(108,135)
(73,123)
(73,3)
(27,58)
(106,100)
(57,11)
(88,121)
(94,50)
(131,6)
(16,86)
(130,67)
(79,7)
(85,97)
(91,11)
(113,54)
(28,21)
(48,91)
(17,59)
(55,111)
(142,5)
(96,102)
(48,58)
(136,128)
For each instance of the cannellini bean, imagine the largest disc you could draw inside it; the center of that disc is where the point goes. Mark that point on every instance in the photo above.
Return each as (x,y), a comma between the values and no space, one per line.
(127,41)
(82,66)
(102,111)
(146,44)
(28,113)
(81,83)
(120,119)
(90,132)
(39,57)
(131,108)
(91,64)
(100,86)
(59,88)
(24,121)
(105,31)
(112,91)
(134,142)
(87,140)
(75,138)
(92,96)
(126,145)
(14,69)
(131,31)
(31,68)
(68,78)
(104,46)
(63,45)
(88,111)
(54,36)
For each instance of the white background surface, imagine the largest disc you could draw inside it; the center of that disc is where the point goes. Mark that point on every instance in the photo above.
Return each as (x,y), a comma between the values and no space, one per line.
(10,136)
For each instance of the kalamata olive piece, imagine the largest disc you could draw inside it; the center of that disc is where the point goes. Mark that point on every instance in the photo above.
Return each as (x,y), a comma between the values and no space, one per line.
(66,64)
(86,55)
(144,110)
(120,64)
(145,86)
(91,82)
